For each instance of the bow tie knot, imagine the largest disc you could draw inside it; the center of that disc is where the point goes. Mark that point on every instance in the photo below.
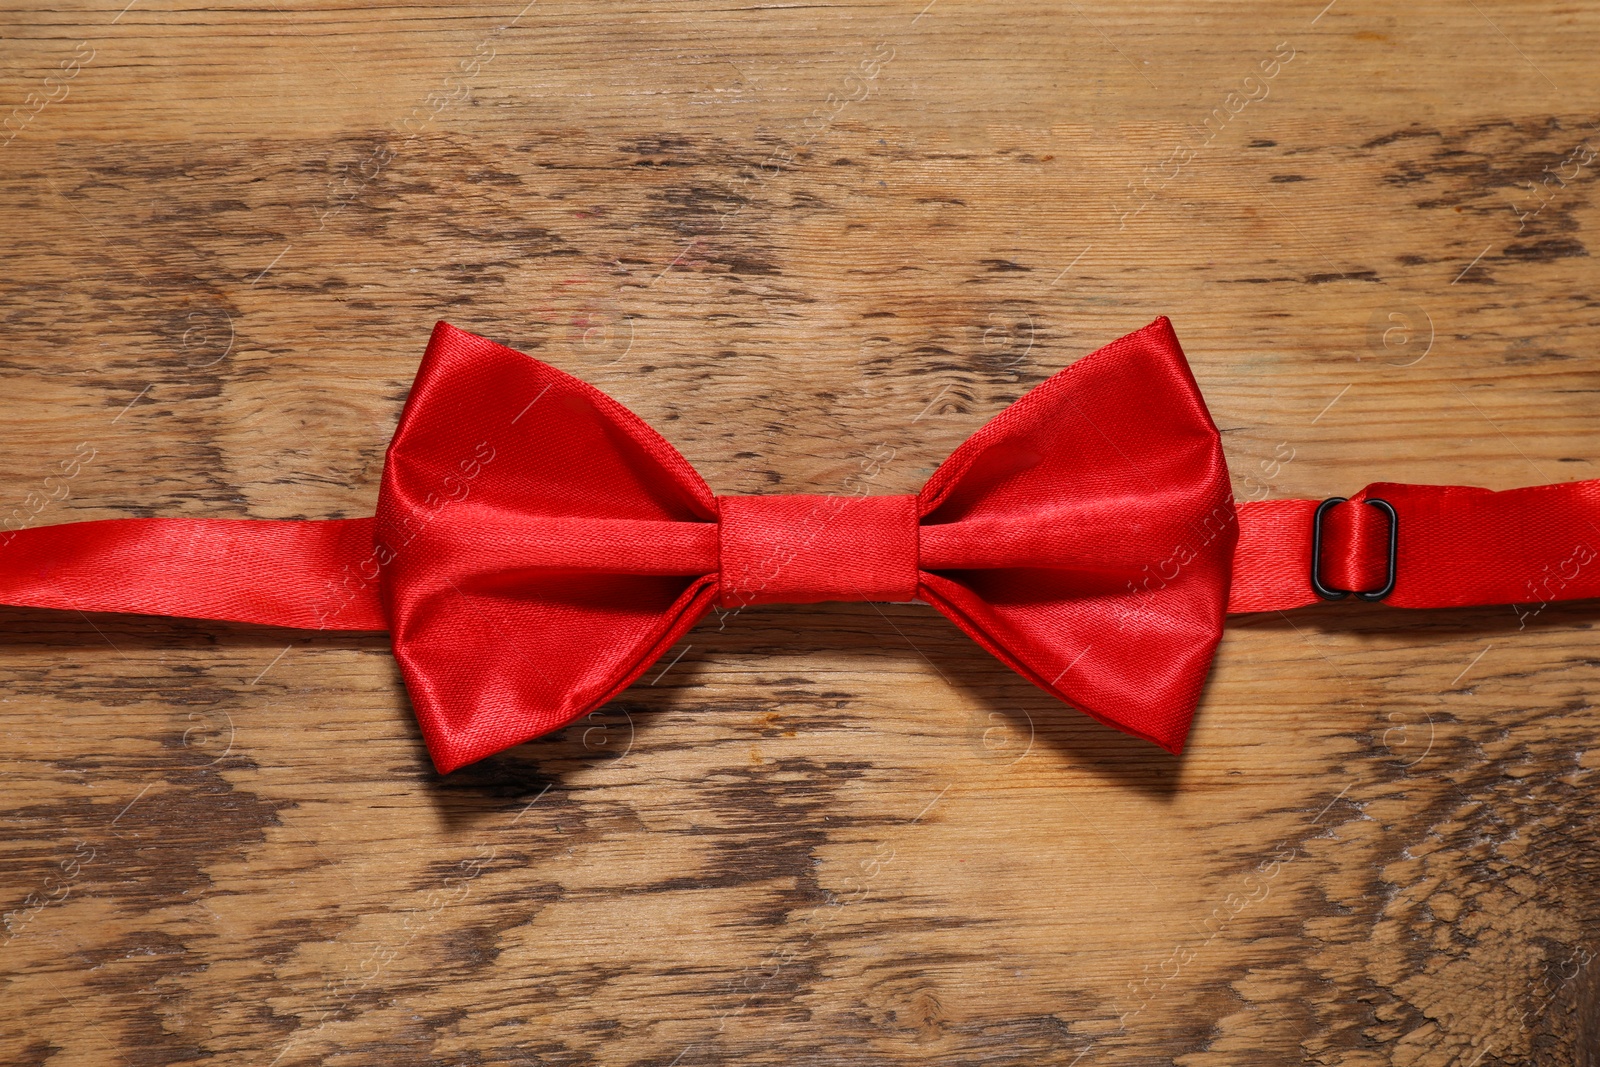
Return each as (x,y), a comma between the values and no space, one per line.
(804,548)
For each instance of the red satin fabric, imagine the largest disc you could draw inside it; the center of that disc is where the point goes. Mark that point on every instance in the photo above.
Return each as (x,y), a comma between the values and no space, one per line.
(1085,535)
(804,549)
(517,602)
(537,547)
(1458,546)
(307,575)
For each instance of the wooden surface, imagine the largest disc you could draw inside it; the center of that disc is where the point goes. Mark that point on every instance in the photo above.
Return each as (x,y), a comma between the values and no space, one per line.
(798,239)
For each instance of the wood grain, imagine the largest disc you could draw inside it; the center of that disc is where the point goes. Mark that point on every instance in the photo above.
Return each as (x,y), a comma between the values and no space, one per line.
(792,238)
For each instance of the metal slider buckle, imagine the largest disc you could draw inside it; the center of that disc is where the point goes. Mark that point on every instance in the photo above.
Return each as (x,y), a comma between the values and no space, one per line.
(1316,550)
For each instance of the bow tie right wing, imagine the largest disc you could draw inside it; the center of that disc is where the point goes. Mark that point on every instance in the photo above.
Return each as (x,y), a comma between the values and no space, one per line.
(1085,536)
(500,460)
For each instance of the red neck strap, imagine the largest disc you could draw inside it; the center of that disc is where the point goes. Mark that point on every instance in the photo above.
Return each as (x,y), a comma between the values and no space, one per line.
(1456,546)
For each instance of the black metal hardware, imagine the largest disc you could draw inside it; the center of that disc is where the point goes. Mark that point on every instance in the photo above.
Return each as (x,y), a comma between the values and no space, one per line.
(1316,551)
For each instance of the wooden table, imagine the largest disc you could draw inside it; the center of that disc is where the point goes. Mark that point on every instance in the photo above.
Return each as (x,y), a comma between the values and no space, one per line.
(792,237)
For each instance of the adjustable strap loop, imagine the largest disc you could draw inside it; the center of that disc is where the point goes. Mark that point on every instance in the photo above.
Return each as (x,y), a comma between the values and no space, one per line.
(1458,546)
(1360,586)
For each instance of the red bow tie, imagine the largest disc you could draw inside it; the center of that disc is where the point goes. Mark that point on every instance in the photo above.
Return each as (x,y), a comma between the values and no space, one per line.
(537,546)
(584,545)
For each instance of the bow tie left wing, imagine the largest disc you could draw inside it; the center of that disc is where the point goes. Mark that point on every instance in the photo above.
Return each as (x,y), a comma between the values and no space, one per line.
(1085,536)
(495,455)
